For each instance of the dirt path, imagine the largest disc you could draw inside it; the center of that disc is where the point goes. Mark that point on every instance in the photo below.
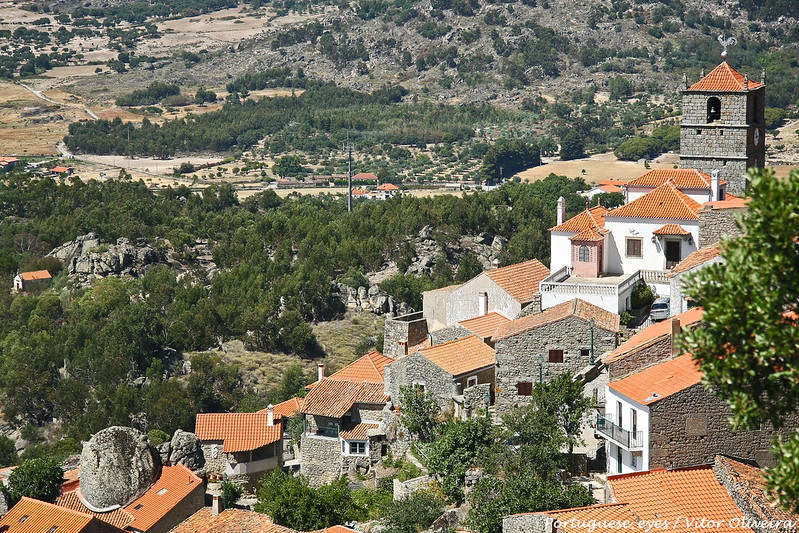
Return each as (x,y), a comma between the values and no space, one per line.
(40,94)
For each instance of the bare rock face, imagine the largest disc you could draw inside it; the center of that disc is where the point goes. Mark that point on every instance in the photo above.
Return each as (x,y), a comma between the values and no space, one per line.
(186,450)
(118,465)
(87,257)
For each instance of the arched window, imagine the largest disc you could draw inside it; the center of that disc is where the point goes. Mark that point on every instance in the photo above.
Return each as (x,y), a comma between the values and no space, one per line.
(713,109)
(584,254)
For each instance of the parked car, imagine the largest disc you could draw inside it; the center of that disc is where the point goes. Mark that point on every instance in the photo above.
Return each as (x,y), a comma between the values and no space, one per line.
(660,309)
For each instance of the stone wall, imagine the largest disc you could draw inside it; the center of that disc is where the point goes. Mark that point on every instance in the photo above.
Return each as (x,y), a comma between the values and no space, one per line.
(364,411)
(187,507)
(415,368)
(409,329)
(692,426)
(321,459)
(463,302)
(517,356)
(403,489)
(449,333)
(474,397)
(656,351)
(485,376)
(715,224)
(526,523)
(214,465)
(532,308)
(434,304)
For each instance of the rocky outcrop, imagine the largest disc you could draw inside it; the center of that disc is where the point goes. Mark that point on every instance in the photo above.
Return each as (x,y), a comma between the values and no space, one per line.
(372,299)
(185,449)
(89,257)
(118,465)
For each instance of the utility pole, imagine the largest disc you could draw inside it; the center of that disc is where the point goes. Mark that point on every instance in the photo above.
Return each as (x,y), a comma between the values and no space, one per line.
(349,175)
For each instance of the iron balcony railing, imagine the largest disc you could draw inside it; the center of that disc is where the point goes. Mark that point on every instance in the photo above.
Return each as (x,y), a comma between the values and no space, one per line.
(627,439)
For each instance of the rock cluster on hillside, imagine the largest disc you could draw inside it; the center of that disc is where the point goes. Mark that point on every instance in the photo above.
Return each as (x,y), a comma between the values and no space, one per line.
(88,257)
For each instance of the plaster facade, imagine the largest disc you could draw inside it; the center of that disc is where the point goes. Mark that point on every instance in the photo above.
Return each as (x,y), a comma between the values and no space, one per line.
(442,308)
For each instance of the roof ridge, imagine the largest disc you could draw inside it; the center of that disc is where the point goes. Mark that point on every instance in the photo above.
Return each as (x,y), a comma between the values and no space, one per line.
(451,342)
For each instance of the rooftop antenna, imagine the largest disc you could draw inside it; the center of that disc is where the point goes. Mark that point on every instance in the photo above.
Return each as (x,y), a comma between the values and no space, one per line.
(725,43)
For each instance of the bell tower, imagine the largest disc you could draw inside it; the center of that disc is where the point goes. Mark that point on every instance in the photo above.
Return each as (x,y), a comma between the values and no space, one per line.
(723,123)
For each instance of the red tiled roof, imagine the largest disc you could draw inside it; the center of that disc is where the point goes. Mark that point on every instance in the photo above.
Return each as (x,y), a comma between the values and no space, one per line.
(682,178)
(484,326)
(118,517)
(666,201)
(364,176)
(359,192)
(174,485)
(335,529)
(521,280)
(649,334)
(660,381)
(593,218)
(60,170)
(723,78)
(388,187)
(334,398)
(461,356)
(585,519)
(696,258)
(229,521)
(287,408)
(589,235)
(358,431)
(671,229)
(71,480)
(730,202)
(609,188)
(34,516)
(680,498)
(36,275)
(416,347)
(578,308)
(366,368)
(241,432)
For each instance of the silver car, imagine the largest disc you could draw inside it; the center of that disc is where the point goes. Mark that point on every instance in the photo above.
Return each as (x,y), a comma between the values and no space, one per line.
(660,309)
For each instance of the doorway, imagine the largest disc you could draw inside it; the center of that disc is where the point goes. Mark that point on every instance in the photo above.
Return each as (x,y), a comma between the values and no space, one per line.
(672,254)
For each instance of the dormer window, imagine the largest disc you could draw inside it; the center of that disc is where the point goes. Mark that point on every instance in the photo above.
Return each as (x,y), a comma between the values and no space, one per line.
(713,109)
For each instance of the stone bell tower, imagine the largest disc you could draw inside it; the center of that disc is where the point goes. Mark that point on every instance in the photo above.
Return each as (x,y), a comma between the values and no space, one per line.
(723,124)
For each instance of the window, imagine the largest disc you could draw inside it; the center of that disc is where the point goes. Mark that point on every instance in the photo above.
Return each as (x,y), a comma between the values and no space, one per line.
(634,460)
(419,387)
(713,109)
(585,352)
(357,448)
(618,413)
(584,255)
(618,460)
(634,247)
(524,388)
(699,132)
(634,418)
(555,356)
(471,381)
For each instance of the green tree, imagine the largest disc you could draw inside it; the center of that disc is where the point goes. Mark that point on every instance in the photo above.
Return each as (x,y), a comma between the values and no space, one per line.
(468,268)
(414,513)
(292,383)
(8,452)
(231,492)
(564,396)
(35,478)
(620,87)
(419,412)
(288,165)
(748,343)
(214,386)
(572,145)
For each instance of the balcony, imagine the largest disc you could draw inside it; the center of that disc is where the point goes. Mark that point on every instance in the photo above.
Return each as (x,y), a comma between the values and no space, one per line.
(622,437)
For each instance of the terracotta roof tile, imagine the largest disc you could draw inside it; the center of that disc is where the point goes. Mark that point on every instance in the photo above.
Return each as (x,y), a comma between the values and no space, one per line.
(579,308)
(34,516)
(118,518)
(60,170)
(36,275)
(287,408)
(335,529)
(723,78)
(461,356)
(730,202)
(659,381)
(366,368)
(671,229)
(590,218)
(666,201)
(696,258)
(388,187)
(484,326)
(364,176)
(682,178)
(748,485)
(357,431)
(589,235)
(229,521)
(680,498)
(521,280)
(651,333)
(241,432)
(334,398)
(174,485)
(609,188)
(416,347)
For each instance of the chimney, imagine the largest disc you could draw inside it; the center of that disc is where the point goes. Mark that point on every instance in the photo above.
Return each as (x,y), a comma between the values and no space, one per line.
(685,79)
(320,371)
(676,329)
(270,415)
(714,186)
(763,76)
(482,303)
(403,347)
(561,210)
(746,82)
(216,505)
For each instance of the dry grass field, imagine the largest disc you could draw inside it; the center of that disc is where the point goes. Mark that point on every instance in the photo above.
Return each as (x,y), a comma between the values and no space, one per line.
(595,168)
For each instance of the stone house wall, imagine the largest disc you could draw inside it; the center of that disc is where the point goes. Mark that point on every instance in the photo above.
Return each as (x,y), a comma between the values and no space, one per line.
(484,376)
(532,308)
(320,458)
(434,305)
(416,369)
(715,224)
(192,503)
(517,356)
(214,465)
(367,411)
(657,351)
(410,329)
(526,523)
(449,333)
(692,426)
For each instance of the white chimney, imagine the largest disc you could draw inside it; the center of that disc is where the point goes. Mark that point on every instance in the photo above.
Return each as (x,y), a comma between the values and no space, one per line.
(714,186)
(561,210)
(216,505)
(320,371)
(482,303)
(270,415)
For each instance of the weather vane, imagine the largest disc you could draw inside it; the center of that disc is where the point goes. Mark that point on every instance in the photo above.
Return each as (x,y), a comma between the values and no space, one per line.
(725,43)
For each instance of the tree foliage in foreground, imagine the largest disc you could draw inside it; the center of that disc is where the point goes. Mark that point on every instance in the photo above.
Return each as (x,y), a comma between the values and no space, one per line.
(35,478)
(419,413)
(749,343)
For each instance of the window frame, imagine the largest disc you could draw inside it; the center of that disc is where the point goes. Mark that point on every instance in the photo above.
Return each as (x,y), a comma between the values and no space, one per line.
(583,254)
(353,447)
(630,240)
(522,386)
(471,381)
(558,356)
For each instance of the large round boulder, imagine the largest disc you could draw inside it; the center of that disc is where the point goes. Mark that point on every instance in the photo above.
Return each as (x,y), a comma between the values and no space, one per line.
(118,465)
(186,450)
